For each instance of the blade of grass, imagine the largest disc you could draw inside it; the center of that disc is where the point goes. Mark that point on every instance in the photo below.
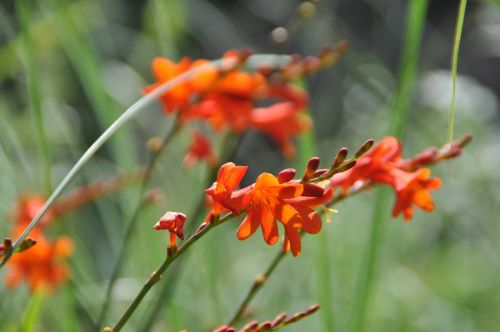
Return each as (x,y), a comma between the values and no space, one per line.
(416,13)
(34,90)
(32,312)
(454,65)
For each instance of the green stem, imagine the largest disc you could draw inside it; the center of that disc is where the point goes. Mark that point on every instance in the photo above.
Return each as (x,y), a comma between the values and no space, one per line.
(416,13)
(156,275)
(366,275)
(133,220)
(258,283)
(229,148)
(454,65)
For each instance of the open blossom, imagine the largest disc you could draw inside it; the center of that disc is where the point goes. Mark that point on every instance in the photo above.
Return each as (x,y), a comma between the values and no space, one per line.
(174,223)
(42,266)
(232,99)
(271,200)
(413,188)
(221,191)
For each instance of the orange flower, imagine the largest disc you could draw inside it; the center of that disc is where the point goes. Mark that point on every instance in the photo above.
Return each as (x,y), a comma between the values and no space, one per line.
(199,149)
(221,191)
(375,165)
(272,201)
(42,266)
(281,121)
(178,97)
(27,207)
(414,188)
(174,223)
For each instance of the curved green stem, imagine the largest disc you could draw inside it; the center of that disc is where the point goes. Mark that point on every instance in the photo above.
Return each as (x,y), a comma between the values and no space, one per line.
(156,275)
(133,220)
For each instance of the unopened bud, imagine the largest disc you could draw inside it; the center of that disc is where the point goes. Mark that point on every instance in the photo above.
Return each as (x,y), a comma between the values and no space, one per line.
(25,244)
(154,145)
(465,140)
(364,148)
(279,320)
(260,280)
(346,166)
(340,157)
(311,168)
(313,190)
(250,327)
(286,175)
(107,329)
(265,326)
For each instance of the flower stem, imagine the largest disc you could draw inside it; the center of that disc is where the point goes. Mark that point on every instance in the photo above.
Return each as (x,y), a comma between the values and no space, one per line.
(156,275)
(258,283)
(133,219)
(261,279)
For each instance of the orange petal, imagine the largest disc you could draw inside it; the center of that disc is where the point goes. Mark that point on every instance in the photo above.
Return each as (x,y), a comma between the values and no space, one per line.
(249,224)
(269,227)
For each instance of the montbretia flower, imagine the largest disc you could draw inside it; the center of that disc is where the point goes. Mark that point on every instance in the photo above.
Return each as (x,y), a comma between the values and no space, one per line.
(413,188)
(272,202)
(383,164)
(42,266)
(174,223)
(221,191)
(178,98)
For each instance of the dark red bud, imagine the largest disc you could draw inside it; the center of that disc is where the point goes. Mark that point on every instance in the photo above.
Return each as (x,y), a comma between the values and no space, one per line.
(313,190)
(286,175)
(363,148)
(464,141)
(250,327)
(265,326)
(346,166)
(340,157)
(279,319)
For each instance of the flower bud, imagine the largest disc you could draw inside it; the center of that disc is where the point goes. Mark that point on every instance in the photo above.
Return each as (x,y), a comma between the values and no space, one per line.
(364,148)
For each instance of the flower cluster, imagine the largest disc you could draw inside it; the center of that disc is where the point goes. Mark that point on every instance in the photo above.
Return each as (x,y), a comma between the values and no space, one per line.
(231,98)
(409,179)
(277,199)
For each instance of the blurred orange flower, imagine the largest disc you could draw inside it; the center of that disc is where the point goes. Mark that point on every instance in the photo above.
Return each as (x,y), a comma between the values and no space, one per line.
(200,149)
(42,266)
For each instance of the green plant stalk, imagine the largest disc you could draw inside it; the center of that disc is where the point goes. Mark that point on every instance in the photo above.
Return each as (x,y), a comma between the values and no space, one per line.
(415,20)
(366,276)
(229,147)
(156,275)
(133,219)
(307,148)
(34,90)
(416,13)
(30,317)
(130,113)
(258,283)
(454,65)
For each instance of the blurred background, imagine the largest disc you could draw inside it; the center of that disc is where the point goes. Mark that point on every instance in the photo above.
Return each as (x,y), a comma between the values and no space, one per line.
(86,62)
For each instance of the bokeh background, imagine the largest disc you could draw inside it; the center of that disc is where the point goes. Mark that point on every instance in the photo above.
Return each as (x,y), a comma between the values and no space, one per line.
(441,272)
